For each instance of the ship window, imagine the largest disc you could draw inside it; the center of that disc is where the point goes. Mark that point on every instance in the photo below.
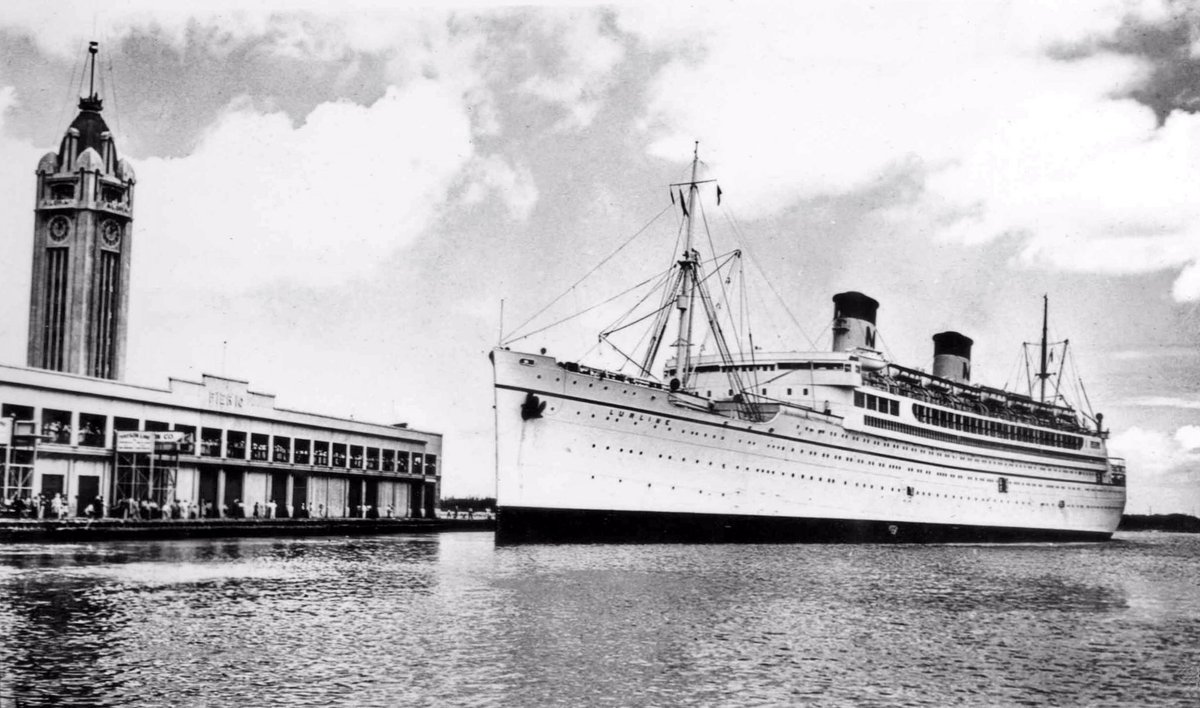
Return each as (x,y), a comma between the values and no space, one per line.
(789,392)
(895,407)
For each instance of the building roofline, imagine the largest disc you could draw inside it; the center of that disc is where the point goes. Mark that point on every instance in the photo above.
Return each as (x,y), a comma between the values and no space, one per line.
(139,393)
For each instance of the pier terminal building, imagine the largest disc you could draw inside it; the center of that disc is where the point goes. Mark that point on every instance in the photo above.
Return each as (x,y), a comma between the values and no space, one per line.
(70,425)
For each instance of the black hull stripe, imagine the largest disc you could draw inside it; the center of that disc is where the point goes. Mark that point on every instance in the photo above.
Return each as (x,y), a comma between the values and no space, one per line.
(515,525)
(831,446)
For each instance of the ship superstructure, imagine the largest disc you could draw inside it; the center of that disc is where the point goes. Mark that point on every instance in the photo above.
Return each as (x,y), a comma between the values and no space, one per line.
(840,445)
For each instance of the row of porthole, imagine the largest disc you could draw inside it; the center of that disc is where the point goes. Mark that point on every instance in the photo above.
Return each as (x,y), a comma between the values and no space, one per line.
(824,455)
(971,459)
(837,457)
(857,484)
(894,489)
(650,484)
(955,456)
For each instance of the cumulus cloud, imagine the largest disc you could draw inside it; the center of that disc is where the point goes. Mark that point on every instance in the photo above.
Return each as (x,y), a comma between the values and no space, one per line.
(17,186)
(515,186)
(313,203)
(1164,402)
(580,72)
(1163,468)
(1155,457)
(1008,136)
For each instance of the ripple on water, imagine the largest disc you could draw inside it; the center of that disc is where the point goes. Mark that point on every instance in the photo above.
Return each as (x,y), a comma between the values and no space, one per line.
(454,620)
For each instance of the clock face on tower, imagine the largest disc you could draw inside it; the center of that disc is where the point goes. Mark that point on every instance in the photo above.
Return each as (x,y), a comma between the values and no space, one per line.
(60,229)
(110,231)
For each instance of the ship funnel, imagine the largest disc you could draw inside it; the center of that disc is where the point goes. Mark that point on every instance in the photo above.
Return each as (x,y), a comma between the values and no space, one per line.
(853,321)
(952,356)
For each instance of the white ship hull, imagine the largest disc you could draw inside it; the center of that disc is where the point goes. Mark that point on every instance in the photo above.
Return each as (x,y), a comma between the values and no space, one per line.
(581,456)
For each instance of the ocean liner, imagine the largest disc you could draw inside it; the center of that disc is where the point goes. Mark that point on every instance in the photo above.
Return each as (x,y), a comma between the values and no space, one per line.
(830,446)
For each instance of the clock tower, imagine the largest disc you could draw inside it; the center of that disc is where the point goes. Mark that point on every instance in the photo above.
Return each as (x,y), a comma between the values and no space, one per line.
(83,219)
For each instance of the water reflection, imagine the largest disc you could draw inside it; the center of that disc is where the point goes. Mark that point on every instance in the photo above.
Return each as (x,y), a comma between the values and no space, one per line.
(452,619)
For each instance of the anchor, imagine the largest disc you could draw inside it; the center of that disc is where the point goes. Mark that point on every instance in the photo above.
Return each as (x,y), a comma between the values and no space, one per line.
(532,407)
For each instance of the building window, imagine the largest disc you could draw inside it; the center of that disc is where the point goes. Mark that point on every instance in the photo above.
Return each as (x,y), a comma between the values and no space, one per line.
(300,452)
(210,442)
(372,458)
(123,424)
(9,410)
(235,445)
(281,450)
(258,446)
(339,454)
(417,463)
(56,426)
(92,430)
(157,426)
(356,456)
(187,446)
(402,461)
(389,460)
(321,453)
(16,478)
(430,464)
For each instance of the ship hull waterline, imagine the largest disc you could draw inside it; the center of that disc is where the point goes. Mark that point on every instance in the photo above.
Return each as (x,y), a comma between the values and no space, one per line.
(516,525)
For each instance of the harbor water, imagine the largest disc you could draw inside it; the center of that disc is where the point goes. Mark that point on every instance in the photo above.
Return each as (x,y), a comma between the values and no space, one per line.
(452,619)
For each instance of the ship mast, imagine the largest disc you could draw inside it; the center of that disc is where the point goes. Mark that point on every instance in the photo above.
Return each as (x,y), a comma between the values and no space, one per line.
(687,292)
(1043,374)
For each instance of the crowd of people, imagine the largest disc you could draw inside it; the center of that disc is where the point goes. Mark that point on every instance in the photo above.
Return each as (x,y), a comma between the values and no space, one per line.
(41,506)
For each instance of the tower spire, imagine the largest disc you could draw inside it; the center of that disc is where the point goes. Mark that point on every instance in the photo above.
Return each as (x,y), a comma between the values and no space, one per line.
(92,102)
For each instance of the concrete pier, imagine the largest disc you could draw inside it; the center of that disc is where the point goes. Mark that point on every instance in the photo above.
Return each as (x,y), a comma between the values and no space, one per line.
(83,530)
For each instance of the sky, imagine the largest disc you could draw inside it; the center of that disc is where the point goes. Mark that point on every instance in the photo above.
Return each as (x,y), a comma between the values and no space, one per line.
(347,204)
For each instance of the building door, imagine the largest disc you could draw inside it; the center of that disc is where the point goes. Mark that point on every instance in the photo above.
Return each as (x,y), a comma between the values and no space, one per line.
(300,493)
(373,498)
(279,482)
(233,494)
(208,491)
(53,484)
(356,496)
(89,489)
